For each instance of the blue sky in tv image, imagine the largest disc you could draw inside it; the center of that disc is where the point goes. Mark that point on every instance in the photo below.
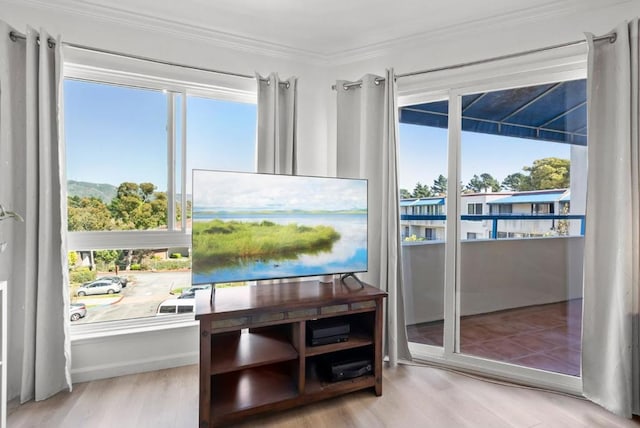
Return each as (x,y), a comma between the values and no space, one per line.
(233,191)
(305,201)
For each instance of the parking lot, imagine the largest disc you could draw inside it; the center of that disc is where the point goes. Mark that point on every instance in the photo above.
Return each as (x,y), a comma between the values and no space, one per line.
(140,298)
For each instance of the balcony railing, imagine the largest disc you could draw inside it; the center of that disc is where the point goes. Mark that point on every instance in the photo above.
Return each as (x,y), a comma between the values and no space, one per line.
(494,218)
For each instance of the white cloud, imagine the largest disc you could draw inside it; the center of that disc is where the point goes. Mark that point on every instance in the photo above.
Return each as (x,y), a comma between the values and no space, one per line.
(228,190)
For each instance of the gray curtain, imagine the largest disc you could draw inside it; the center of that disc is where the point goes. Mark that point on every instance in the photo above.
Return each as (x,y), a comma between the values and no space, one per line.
(367,148)
(31,173)
(610,359)
(276,139)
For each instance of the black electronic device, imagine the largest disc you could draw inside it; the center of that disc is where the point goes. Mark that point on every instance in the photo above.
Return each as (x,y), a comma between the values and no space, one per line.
(324,332)
(349,369)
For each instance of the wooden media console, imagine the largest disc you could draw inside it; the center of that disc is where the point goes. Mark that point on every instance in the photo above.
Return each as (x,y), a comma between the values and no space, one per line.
(254,353)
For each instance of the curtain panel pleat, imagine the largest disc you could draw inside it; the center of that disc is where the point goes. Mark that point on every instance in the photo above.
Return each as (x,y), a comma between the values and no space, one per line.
(32,177)
(276,127)
(367,138)
(610,359)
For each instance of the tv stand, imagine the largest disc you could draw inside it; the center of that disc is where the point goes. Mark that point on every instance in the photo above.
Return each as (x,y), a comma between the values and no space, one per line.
(352,275)
(254,353)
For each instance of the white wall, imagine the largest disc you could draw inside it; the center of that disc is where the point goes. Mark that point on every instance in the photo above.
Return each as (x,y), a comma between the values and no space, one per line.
(103,356)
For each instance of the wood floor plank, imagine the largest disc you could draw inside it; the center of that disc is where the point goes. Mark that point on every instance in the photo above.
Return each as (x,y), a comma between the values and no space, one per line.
(412,397)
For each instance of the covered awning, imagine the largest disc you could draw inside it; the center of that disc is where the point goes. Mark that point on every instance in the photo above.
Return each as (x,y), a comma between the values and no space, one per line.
(421,202)
(554,112)
(530,198)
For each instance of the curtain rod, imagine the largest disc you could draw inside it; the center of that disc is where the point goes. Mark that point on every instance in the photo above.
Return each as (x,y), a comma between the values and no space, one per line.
(610,36)
(14,35)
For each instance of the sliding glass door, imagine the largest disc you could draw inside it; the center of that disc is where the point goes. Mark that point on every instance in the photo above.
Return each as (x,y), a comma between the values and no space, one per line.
(423,193)
(520,290)
(503,293)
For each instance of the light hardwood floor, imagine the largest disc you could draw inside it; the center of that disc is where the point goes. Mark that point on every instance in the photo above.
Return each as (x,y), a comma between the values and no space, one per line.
(412,397)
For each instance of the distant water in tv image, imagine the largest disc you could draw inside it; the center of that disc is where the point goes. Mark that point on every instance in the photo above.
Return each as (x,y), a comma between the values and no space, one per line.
(254,226)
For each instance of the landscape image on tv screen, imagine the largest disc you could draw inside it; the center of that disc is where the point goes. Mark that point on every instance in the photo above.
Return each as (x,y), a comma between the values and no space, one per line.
(260,226)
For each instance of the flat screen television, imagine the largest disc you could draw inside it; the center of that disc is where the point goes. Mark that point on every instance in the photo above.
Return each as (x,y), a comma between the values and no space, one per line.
(248,226)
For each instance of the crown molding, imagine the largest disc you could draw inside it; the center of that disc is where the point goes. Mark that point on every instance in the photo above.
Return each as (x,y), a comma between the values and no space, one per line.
(187,31)
(523,16)
(83,8)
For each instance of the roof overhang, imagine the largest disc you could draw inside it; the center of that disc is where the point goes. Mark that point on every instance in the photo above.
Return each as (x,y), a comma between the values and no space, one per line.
(554,112)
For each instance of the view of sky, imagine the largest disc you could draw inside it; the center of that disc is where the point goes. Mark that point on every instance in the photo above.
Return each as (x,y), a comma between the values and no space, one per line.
(423,154)
(116,134)
(238,191)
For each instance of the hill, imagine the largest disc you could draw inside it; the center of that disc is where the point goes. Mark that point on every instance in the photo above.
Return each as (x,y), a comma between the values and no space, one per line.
(105,192)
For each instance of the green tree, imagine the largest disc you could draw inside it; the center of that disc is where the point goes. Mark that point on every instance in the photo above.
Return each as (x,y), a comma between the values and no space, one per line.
(106,256)
(146,191)
(549,173)
(125,205)
(159,206)
(139,206)
(127,189)
(485,181)
(404,194)
(439,185)
(516,182)
(421,191)
(88,214)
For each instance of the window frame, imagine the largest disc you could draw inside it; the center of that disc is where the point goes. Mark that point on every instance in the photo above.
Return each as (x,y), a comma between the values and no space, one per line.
(450,85)
(117,70)
(472,208)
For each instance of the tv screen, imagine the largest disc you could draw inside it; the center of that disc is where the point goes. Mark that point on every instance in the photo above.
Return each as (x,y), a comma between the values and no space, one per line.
(249,226)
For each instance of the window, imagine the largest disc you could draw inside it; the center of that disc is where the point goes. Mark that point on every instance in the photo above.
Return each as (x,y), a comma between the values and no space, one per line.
(501,209)
(428,234)
(130,150)
(474,208)
(542,209)
(472,235)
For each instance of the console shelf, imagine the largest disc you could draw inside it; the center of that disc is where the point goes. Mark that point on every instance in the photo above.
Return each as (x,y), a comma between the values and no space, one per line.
(236,351)
(249,388)
(357,339)
(254,356)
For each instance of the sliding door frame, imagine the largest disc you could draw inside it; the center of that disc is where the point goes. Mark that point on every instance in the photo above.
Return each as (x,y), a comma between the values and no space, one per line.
(434,88)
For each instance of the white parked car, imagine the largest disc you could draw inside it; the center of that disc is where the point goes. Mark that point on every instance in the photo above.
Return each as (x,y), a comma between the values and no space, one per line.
(77,311)
(176,306)
(99,287)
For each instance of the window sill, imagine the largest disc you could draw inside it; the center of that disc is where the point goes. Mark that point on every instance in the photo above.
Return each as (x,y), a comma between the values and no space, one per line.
(83,332)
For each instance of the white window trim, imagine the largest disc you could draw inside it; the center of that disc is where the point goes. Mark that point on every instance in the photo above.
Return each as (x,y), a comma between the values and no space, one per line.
(103,68)
(99,67)
(530,70)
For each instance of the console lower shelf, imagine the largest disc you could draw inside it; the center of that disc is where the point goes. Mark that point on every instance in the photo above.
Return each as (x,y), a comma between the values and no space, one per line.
(251,388)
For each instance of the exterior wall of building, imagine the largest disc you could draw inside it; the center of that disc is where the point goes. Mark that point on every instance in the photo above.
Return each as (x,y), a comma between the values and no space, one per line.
(482,229)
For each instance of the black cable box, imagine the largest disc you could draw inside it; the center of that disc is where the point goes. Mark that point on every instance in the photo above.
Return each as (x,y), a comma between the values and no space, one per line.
(323,332)
(349,369)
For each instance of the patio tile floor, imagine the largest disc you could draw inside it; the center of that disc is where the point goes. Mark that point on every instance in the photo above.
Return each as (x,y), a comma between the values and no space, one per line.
(545,337)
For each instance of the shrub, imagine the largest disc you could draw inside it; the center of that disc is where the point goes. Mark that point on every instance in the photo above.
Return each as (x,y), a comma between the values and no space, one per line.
(135,266)
(176,256)
(81,275)
(173,264)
